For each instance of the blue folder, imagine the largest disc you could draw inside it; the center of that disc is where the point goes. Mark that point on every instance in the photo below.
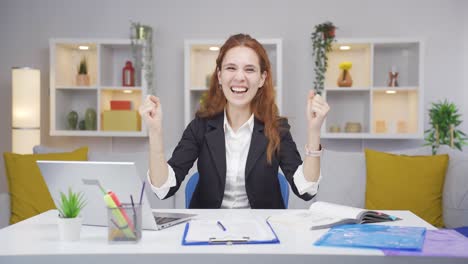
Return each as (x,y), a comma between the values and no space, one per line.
(374,236)
(222,241)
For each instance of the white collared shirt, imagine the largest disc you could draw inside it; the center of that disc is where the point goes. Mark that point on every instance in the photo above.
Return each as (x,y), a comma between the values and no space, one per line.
(237,149)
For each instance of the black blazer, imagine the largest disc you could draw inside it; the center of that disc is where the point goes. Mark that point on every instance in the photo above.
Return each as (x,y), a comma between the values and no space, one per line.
(204,139)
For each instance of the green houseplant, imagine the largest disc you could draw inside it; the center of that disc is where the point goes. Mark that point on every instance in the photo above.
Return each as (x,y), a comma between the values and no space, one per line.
(69,221)
(82,79)
(322,39)
(444,120)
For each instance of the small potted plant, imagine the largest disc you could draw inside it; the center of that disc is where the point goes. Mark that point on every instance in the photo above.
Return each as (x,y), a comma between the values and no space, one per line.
(444,122)
(82,79)
(322,39)
(70,220)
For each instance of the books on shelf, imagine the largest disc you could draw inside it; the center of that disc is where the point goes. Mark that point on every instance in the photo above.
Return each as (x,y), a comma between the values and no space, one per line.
(325,215)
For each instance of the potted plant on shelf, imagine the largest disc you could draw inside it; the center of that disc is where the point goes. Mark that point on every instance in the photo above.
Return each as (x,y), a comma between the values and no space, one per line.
(70,220)
(444,120)
(82,79)
(322,39)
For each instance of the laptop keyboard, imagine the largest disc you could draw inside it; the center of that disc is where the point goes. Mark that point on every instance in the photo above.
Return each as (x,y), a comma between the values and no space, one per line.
(164,220)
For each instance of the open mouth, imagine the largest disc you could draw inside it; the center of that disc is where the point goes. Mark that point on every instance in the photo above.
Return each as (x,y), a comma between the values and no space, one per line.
(239,90)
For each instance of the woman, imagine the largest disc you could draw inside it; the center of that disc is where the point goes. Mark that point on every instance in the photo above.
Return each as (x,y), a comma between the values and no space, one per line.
(237,137)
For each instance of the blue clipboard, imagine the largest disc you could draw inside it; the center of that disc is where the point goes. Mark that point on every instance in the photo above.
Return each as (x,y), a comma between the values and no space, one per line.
(239,241)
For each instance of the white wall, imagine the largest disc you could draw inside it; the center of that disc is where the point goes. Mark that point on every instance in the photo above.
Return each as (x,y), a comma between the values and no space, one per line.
(464,87)
(26,26)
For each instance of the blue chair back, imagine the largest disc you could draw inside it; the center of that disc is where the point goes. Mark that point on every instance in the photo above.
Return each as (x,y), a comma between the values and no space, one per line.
(192,183)
(284,189)
(190,188)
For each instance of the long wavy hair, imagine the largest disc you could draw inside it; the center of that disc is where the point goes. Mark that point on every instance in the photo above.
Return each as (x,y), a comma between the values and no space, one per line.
(263,105)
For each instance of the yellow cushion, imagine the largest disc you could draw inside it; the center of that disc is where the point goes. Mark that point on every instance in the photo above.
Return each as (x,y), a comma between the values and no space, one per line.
(29,195)
(412,183)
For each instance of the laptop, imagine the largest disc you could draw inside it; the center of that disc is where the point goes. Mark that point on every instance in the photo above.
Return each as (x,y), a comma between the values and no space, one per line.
(119,177)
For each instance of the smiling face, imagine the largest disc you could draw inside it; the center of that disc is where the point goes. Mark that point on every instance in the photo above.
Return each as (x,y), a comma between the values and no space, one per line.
(240,76)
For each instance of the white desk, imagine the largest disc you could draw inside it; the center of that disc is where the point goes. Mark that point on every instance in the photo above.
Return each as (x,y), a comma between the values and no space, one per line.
(36,241)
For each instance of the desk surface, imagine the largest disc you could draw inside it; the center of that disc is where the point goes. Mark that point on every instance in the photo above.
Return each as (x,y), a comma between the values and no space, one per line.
(36,239)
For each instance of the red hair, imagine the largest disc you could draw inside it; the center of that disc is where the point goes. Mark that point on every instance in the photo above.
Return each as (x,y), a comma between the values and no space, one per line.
(263,105)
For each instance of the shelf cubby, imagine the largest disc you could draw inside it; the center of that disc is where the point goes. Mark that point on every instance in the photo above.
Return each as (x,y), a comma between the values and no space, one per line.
(384,112)
(105,59)
(360,54)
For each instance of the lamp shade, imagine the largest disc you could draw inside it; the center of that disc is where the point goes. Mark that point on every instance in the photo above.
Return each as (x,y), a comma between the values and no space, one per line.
(26,109)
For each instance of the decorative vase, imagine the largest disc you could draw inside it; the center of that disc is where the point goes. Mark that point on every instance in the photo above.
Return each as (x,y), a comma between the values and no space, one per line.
(69,228)
(90,119)
(128,74)
(82,80)
(72,120)
(345,80)
(81,125)
(393,79)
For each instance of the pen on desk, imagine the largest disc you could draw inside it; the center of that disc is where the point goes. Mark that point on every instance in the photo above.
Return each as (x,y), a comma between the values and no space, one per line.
(221,225)
(134,211)
(141,193)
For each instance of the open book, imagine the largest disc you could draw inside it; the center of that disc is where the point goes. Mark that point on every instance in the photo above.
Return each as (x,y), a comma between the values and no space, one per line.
(325,215)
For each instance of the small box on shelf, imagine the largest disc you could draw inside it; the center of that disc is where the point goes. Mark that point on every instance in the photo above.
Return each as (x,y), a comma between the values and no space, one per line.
(121,120)
(120,105)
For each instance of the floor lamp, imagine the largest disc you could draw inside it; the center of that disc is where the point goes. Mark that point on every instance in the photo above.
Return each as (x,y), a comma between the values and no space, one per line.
(26,109)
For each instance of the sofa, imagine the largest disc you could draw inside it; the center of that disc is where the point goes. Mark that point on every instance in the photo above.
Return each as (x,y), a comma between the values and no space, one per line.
(344,184)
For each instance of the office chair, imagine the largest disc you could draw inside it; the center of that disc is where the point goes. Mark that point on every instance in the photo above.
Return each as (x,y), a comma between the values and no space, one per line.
(192,183)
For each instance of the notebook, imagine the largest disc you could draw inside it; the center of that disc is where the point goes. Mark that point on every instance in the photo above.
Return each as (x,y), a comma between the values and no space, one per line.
(120,177)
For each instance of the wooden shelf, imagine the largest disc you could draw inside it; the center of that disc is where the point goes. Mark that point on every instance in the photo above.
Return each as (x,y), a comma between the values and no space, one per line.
(106,58)
(383,112)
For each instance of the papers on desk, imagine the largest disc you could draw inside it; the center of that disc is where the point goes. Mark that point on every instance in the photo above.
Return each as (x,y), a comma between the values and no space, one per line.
(325,215)
(232,231)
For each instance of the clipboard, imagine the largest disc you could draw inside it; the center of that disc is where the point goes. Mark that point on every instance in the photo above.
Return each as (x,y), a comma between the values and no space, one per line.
(229,240)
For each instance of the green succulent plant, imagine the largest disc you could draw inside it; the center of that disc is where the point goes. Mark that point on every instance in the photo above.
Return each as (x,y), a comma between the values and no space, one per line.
(444,120)
(83,67)
(71,205)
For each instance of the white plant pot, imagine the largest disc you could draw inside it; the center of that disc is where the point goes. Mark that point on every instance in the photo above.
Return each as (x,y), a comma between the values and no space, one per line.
(69,228)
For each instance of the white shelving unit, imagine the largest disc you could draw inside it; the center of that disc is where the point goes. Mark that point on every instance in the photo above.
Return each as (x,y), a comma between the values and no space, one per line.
(105,60)
(200,62)
(383,112)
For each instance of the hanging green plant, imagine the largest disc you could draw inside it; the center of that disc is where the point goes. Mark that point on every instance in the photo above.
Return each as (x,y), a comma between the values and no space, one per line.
(141,37)
(444,120)
(322,39)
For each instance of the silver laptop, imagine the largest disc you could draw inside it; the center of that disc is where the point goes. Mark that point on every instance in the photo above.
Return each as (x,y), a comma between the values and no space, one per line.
(119,177)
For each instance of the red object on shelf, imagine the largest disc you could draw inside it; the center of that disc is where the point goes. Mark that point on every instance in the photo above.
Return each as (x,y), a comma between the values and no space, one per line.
(128,74)
(120,105)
